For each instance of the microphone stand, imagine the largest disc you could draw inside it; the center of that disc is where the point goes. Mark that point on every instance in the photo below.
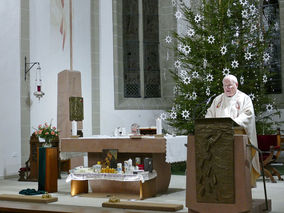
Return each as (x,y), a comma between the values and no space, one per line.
(263,177)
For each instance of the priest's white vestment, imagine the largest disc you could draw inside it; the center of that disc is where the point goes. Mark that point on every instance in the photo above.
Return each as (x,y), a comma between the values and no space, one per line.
(240,108)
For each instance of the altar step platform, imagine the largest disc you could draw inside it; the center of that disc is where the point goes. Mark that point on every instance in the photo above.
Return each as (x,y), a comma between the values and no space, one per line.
(175,194)
(124,206)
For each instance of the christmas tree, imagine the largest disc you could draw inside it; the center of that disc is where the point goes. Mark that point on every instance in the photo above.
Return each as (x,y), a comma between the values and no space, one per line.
(220,38)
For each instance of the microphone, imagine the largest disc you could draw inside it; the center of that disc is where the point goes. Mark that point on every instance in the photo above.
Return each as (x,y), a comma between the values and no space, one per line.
(206,104)
(209,99)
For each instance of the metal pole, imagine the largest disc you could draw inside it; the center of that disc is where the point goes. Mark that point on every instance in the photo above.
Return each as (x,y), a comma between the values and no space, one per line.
(263,177)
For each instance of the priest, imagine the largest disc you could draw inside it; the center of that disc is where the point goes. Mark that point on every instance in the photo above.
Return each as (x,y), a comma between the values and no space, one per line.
(237,105)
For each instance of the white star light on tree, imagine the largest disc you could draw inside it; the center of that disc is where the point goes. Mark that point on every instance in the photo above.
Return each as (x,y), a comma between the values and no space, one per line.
(269,107)
(266,57)
(168,39)
(243,2)
(252,96)
(235,64)
(209,78)
(190,32)
(223,50)
(178,14)
(226,71)
(250,45)
(183,73)
(237,34)
(253,28)
(197,18)
(163,116)
(229,14)
(186,80)
(248,56)
(211,39)
(177,64)
(204,63)
(185,114)
(207,92)
(242,80)
(245,14)
(175,90)
(252,9)
(188,97)
(195,74)
(234,43)
(264,78)
(177,107)
(173,115)
(186,49)
(180,47)
(193,96)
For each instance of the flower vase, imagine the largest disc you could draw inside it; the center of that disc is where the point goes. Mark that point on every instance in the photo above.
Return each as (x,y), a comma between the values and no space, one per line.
(47,143)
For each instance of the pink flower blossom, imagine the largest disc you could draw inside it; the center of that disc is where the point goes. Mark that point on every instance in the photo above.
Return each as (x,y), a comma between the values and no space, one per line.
(46,131)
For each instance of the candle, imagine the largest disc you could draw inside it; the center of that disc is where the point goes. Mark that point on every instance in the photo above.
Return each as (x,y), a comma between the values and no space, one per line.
(74,128)
(159,126)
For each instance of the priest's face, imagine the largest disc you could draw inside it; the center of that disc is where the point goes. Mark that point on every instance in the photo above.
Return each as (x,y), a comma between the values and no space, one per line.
(230,87)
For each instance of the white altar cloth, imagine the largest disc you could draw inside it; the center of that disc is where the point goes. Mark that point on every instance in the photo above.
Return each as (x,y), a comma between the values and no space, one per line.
(141,176)
(176,150)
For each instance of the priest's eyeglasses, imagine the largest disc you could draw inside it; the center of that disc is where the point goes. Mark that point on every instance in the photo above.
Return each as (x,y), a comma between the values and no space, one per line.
(228,86)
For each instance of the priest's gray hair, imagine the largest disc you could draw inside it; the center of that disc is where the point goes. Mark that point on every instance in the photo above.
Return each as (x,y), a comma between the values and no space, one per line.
(232,78)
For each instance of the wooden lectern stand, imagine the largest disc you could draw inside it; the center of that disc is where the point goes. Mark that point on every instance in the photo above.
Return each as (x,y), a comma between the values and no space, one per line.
(48,171)
(218,168)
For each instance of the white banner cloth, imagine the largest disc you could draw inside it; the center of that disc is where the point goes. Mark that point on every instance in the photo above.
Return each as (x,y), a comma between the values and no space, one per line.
(176,150)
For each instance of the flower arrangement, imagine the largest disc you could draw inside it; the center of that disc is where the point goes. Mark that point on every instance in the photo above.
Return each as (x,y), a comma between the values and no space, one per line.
(47,132)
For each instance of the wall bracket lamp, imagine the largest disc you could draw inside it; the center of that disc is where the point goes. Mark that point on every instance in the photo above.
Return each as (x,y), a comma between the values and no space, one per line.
(28,66)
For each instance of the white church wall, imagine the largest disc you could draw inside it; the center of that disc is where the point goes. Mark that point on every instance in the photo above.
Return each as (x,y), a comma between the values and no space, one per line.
(10,129)
(46,47)
(111,118)
(82,56)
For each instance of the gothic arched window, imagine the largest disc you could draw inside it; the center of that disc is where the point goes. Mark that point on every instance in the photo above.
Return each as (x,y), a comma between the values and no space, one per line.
(270,17)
